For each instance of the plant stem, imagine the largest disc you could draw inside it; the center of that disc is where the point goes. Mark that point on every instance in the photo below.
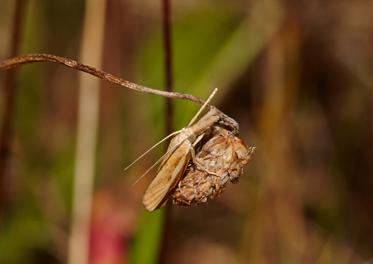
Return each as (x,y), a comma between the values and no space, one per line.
(70,63)
(167,46)
(6,134)
(86,145)
(168,65)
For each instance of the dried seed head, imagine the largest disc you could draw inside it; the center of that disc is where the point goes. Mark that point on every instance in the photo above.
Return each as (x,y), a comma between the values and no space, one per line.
(220,159)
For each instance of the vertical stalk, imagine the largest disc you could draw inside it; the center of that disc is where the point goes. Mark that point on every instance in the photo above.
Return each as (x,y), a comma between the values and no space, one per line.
(6,134)
(167,46)
(281,200)
(90,53)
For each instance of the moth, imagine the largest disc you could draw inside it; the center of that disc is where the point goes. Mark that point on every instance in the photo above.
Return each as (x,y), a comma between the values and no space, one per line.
(220,160)
(179,154)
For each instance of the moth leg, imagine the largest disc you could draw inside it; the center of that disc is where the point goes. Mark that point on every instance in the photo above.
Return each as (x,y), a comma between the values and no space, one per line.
(192,151)
(201,167)
(198,140)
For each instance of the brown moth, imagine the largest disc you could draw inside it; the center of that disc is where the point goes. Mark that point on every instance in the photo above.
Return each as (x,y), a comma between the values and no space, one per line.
(220,159)
(178,157)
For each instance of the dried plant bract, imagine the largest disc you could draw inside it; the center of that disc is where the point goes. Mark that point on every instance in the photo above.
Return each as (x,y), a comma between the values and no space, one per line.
(220,160)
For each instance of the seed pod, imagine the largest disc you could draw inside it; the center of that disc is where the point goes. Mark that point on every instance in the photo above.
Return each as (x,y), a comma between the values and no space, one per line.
(219,160)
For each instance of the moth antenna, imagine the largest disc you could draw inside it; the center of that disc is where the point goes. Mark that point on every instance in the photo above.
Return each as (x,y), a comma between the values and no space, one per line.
(159,160)
(156,163)
(150,149)
(203,107)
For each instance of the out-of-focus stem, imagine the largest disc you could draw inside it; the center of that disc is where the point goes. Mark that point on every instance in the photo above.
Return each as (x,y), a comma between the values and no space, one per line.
(167,47)
(168,64)
(9,104)
(91,52)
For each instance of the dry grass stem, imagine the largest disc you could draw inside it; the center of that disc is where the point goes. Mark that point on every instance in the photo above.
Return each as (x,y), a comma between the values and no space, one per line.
(42,57)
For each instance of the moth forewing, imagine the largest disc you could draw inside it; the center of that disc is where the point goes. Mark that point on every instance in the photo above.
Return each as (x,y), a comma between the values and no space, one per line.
(168,175)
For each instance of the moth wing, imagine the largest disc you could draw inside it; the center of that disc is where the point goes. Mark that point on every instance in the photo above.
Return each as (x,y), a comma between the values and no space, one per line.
(170,171)
(172,147)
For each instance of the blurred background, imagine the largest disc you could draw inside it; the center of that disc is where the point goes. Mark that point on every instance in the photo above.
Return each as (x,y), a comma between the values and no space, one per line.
(296,75)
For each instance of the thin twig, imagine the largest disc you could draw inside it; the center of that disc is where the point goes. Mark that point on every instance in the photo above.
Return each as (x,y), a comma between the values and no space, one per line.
(70,63)
(42,57)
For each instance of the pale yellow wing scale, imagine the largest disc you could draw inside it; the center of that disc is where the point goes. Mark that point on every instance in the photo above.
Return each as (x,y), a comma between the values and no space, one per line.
(170,171)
